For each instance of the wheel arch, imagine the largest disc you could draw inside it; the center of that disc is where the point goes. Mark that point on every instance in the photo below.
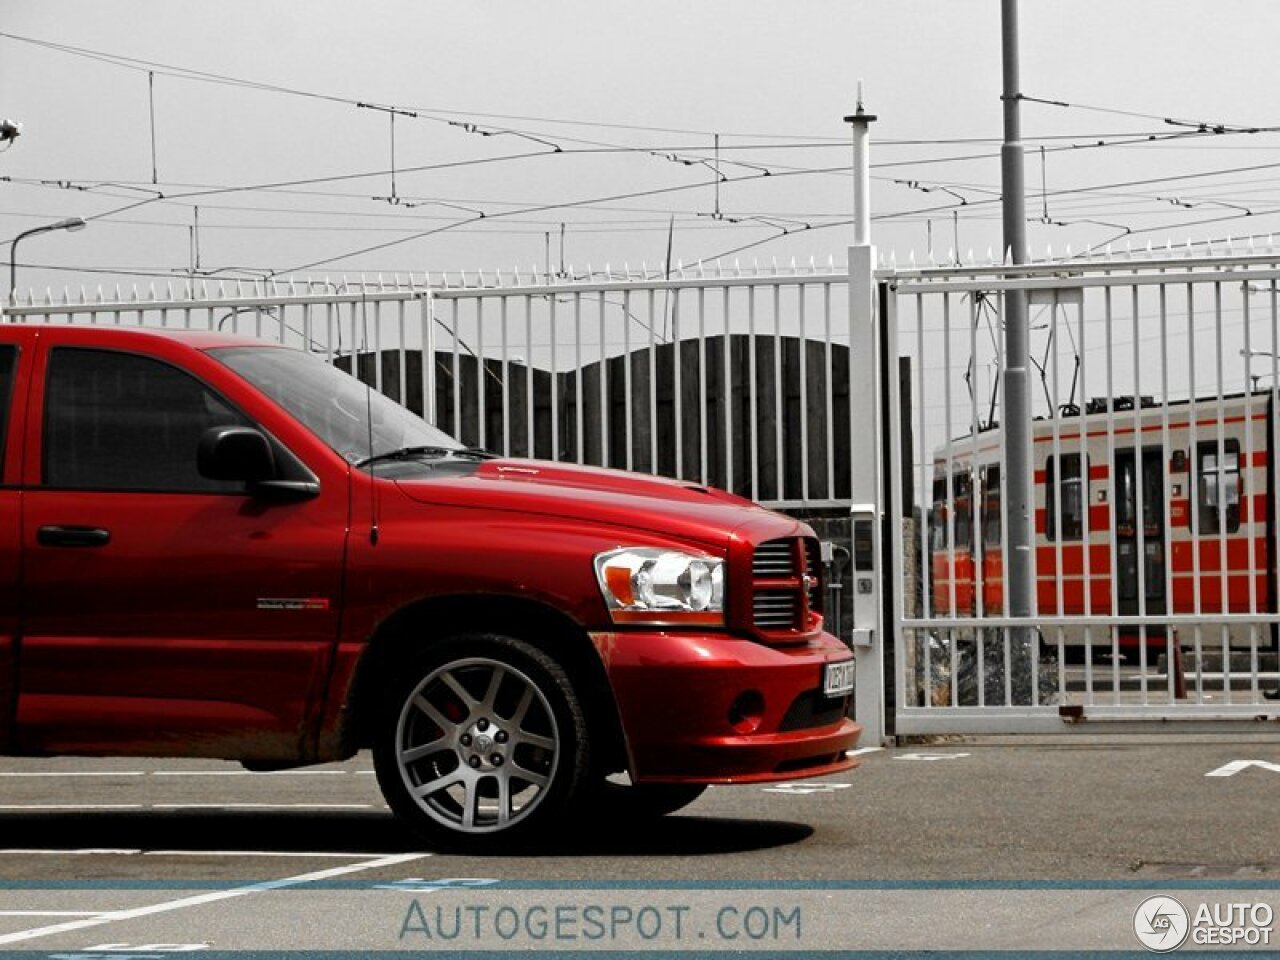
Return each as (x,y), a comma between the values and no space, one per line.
(543,626)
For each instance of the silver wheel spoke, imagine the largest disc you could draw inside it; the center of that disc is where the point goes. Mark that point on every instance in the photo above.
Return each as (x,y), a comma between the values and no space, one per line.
(534,740)
(414,754)
(444,723)
(504,798)
(452,683)
(526,699)
(470,795)
(441,783)
(491,695)
(537,779)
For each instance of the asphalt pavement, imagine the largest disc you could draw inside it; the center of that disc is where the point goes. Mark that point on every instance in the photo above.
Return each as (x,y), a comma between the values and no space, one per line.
(144,852)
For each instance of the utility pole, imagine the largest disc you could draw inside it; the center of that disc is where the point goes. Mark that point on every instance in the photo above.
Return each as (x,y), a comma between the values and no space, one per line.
(866,479)
(1017,399)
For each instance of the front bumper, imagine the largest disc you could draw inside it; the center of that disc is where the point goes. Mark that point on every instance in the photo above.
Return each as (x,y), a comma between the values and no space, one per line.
(680,699)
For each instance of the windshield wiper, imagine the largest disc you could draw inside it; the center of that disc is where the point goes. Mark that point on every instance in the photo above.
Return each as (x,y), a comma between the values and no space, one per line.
(438,453)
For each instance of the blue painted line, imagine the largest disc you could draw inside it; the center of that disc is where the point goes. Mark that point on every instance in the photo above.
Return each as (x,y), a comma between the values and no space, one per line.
(654,955)
(710,886)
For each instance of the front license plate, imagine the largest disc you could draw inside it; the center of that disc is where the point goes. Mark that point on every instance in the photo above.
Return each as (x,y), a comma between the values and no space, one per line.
(837,678)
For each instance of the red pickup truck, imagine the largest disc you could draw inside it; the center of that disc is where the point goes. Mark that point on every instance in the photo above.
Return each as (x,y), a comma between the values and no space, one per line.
(214,547)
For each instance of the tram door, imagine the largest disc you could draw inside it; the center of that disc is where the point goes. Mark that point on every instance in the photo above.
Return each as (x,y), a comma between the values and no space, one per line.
(1151,526)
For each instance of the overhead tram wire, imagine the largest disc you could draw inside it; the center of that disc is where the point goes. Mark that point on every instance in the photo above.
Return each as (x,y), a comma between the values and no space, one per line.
(427,113)
(569,205)
(685,187)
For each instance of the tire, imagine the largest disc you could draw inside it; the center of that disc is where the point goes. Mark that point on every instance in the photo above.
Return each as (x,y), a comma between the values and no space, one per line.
(645,801)
(481,743)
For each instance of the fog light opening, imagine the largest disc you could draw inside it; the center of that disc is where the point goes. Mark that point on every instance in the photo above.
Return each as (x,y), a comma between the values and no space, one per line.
(746,713)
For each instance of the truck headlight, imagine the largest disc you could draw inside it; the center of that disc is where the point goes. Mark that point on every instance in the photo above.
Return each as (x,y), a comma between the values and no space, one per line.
(651,585)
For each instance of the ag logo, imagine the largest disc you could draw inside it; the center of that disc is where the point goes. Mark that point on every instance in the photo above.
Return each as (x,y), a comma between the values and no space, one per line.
(1161,924)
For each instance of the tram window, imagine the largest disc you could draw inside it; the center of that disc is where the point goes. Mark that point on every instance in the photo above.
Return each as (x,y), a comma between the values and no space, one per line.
(938,516)
(1219,486)
(991,512)
(962,485)
(1072,491)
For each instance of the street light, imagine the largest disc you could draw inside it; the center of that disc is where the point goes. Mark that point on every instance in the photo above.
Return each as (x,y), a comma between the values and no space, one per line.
(71,223)
(1249,355)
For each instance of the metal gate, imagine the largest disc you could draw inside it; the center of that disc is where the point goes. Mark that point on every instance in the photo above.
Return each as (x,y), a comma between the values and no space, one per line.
(1155,497)
(1156,501)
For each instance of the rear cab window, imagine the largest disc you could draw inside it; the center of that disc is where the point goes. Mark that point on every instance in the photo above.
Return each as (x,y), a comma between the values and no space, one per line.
(8,365)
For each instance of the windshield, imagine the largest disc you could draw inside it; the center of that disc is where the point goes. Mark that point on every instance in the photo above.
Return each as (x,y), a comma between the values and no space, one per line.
(334,405)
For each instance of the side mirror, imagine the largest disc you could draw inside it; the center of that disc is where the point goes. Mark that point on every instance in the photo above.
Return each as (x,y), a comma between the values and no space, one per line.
(235,454)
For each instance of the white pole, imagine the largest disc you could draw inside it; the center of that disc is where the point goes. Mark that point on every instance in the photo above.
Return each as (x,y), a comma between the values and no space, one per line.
(861,121)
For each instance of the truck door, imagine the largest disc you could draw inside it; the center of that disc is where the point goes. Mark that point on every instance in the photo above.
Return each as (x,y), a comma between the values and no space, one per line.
(1127,525)
(165,612)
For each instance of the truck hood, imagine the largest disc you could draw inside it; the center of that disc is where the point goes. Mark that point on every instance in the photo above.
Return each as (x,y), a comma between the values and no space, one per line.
(671,508)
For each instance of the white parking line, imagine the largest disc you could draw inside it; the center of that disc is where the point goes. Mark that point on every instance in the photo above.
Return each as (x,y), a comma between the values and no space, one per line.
(255,853)
(262,806)
(71,806)
(190,806)
(53,774)
(205,898)
(50,913)
(74,773)
(251,773)
(82,851)
(138,852)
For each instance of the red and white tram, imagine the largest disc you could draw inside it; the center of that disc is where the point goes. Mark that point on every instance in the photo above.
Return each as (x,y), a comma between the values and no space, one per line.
(1141,510)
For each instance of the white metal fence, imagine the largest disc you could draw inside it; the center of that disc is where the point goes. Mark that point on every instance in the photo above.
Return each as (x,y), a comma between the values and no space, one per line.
(1155,497)
(1155,559)
(738,379)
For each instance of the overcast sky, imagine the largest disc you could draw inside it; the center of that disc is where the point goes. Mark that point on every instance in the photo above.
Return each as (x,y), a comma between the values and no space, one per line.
(534,115)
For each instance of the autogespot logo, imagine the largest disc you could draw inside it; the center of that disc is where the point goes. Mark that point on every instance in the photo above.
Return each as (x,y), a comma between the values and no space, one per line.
(1161,924)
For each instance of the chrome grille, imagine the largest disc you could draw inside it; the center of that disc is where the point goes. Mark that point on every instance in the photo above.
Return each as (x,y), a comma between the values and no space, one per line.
(813,566)
(775,609)
(774,559)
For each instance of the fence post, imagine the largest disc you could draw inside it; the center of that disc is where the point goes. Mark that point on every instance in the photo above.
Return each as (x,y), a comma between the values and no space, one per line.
(427,306)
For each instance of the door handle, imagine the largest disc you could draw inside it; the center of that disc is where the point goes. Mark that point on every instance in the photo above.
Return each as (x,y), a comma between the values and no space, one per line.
(55,536)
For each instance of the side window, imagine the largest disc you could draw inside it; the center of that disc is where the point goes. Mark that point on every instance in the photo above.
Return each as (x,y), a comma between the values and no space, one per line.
(1218,489)
(991,512)
(938,515)
(1065,497)
(962,485)
(119,421)
(8,358)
